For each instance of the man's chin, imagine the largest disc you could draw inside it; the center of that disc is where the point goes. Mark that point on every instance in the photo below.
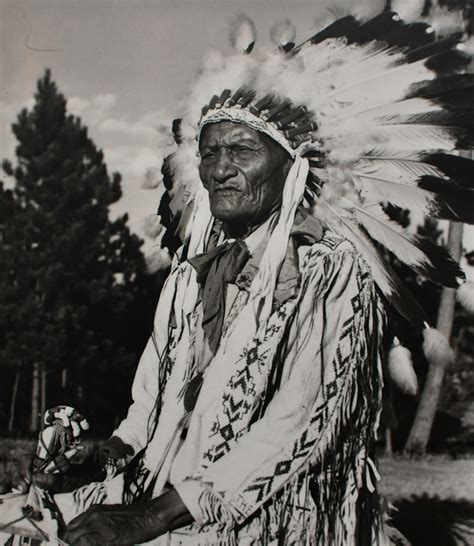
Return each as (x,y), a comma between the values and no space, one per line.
(229,212)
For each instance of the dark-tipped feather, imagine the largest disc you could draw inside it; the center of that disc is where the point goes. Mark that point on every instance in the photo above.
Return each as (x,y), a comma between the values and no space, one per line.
(433,48)
(401,299)
(435,117)
(379,27)
(455,202)
(404,302)
(460,169)
(341,27)
(452,208)
(444,269)
(448,62)
(443,87)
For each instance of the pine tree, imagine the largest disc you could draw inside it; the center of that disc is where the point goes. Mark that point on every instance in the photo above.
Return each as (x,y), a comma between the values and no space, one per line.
(73,292)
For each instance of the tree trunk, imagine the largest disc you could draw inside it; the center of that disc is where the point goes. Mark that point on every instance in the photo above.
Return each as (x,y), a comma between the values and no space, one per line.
(43,391)
(64,378)
(388,442)
(35,397)
(11,418)
(425,414)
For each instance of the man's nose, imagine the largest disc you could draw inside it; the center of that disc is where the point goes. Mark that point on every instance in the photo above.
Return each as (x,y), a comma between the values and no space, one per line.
(224,167)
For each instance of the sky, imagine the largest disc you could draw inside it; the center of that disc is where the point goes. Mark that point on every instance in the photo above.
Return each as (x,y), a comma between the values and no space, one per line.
(123,66)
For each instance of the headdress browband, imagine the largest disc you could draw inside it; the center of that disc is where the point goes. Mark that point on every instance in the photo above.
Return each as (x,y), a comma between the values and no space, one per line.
(290,126)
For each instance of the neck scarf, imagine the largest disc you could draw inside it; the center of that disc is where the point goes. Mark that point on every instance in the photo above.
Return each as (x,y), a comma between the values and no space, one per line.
(215,269)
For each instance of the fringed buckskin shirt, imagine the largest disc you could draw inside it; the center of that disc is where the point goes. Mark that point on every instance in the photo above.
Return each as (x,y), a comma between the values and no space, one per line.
(277,447)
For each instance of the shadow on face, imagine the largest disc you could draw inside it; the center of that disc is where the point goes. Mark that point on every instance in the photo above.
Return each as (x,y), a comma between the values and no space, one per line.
(244,172)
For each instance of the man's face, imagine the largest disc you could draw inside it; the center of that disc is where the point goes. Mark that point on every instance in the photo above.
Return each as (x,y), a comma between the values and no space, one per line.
(244,172)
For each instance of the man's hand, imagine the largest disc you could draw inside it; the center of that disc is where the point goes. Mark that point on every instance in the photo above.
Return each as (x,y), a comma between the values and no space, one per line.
(103,525)
(76,475)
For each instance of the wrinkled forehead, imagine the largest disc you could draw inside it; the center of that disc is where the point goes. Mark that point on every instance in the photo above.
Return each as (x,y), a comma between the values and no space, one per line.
(230,132)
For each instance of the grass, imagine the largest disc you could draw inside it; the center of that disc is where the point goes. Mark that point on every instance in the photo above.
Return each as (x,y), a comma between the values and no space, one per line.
(433,476)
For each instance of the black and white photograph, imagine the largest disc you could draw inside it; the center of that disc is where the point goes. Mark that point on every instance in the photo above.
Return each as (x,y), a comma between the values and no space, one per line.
(236,272)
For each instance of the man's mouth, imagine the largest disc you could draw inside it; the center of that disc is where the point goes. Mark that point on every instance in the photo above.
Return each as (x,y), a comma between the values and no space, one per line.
(227,190)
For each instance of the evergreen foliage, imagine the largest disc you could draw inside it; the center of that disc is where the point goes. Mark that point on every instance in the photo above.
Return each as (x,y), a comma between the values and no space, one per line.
(73,290)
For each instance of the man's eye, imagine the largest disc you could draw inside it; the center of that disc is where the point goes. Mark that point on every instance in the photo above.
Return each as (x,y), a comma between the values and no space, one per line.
(208,156)
(242,152)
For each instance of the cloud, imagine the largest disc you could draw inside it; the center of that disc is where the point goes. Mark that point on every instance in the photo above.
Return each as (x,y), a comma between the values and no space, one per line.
(131,161)
(94,109)
(132,129)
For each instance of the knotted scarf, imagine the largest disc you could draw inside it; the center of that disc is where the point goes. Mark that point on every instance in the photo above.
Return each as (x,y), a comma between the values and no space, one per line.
(215,269)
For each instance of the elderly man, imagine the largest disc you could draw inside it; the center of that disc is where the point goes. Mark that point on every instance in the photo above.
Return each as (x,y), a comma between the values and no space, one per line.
(251,439)
(257,397)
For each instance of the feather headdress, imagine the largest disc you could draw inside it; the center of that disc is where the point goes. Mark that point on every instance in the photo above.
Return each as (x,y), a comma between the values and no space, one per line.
(377,108)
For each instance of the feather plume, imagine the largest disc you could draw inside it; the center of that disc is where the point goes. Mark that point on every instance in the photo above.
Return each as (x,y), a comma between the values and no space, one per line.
(415,186)
(426,258)
(152,226)
(445,21)
(283,34)
(458,168)
(335,29)
(409,10)
(450,92)
(391,235)
(382,110)
(419,137)
(400,367)
(436,347)
(158,260)
(448,62)
(152,179)
(465,296)
(392,82)
(351,231)
(242,34)
(439,46)
(397,296)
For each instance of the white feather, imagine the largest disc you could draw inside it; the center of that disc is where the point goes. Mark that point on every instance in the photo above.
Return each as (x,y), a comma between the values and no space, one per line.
(336,222)
(242,34)
(408,10)
(391,84)
(152,179)
(152,226)
(465,296)
(396,168)
(400,367)
(390,235)
(283,33)
(445,21)
(405,107)
(158,260)
(436,347)
(416,137)
(399,192)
